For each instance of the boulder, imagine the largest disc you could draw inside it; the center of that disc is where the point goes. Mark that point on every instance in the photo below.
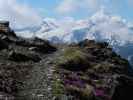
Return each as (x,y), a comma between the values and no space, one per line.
(86,42)
(37,44)
(19,57)
(3,44)
(124,89)
(42,46)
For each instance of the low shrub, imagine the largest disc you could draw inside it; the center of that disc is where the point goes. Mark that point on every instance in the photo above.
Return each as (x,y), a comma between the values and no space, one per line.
(73,59)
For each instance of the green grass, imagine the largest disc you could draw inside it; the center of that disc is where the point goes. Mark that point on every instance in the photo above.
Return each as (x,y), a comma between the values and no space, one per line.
(73,58)
(57,86)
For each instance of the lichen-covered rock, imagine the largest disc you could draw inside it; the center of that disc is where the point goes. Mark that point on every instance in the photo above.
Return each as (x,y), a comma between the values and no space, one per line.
(19,57)
(11,76)
(43,46)
(37,44)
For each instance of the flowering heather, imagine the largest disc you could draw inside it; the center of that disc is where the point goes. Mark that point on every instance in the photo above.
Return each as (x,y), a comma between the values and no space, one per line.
(101,93)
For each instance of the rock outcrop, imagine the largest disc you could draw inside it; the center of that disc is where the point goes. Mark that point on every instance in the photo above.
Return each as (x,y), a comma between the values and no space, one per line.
(18,61)
(19,57)
(3,44)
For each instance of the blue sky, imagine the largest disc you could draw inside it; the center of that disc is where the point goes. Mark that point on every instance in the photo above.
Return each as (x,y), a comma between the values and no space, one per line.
(23,13)
(48,8)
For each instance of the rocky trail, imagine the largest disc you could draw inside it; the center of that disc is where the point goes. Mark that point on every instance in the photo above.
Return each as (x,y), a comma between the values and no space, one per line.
(37,84)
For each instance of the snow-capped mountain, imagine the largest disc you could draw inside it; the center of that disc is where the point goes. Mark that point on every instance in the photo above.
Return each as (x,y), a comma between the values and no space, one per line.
(46,26)
(101,26)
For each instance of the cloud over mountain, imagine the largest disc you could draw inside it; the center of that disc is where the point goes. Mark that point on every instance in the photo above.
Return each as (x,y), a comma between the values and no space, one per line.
(69,6)
(20,15)
(101,26)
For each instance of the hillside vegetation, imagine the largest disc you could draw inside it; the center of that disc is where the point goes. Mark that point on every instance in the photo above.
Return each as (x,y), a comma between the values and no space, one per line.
(35,69)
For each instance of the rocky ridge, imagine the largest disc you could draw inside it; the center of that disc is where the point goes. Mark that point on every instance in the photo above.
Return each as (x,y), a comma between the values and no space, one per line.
(35,69)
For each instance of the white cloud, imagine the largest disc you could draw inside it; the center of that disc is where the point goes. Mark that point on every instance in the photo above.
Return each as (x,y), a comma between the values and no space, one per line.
(69,6)
(101,26)
(20,15)
(112,28)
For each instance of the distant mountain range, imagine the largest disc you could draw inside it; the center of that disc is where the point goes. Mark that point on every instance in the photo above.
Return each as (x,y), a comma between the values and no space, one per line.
(101,27)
